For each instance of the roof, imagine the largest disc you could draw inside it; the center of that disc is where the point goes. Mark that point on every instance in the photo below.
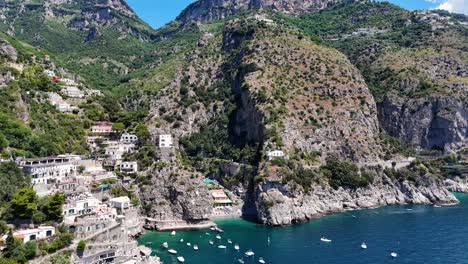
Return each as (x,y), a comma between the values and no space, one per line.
(219,193)
(208,181)
(122,199)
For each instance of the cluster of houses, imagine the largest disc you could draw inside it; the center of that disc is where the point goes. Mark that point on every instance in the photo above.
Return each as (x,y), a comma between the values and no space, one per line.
(71,95)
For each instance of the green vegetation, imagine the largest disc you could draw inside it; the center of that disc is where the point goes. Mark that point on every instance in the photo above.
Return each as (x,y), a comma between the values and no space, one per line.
(345,174)
(81,246)
(11,179)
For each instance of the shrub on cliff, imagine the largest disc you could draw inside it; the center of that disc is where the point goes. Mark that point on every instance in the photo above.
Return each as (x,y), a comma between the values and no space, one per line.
(345,174)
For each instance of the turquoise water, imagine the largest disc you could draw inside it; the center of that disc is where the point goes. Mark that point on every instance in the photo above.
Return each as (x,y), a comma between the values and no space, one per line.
(419,234)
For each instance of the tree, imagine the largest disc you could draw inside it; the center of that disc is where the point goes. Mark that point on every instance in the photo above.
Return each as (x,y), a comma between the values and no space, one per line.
(30,249)
(81,246)
(14,249)
(60,258)
(23,204)
(142,132)
(118,127)
(3,142)
(52,207)
(11,179)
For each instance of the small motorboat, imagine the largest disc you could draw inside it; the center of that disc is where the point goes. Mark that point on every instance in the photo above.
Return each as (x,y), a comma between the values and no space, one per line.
(393,254)
(195,247)
(222,246)
(189,244)
(218,237)
(172,251)
(149,243)
(181,240)
(229,241)
(173,233)
(326,240)
(211,242)
(241,261)
(249,253)
(363,246)
(207,234)
(236,247)
(260,260)
(437,206)
(181,259)
(213,228)
(165,245)
(409,209)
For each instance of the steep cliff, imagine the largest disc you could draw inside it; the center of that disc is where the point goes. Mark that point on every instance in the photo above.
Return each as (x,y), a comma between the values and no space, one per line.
(208,10)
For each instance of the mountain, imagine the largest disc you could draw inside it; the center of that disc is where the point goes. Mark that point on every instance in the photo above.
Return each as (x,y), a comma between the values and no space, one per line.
(342,91)
(102,41)
(209,10)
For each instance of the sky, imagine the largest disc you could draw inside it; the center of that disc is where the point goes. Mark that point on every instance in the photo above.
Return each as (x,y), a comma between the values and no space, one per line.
(159,12)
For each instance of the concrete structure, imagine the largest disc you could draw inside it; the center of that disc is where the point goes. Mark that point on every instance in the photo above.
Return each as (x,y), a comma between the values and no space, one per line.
(120,202)
(165,141)
(81,204)
(129,138)
(48,170)
(74,92)
(102,128)
(116,151)
(39,233)
(49,73)
(68,81)
(275,154)
(220,197)
(129,167)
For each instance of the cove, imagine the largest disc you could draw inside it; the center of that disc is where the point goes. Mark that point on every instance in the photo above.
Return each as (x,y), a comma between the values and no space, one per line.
(418,233)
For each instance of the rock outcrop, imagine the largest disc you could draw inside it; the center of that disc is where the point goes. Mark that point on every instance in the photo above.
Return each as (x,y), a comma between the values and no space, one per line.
(436,122)
(207,10)
(8,51)
(279,204)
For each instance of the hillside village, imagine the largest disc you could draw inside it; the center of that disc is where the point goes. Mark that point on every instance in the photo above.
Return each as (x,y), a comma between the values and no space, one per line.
(100,193)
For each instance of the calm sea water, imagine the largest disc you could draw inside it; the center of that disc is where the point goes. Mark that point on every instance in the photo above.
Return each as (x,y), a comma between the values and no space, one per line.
(419,234)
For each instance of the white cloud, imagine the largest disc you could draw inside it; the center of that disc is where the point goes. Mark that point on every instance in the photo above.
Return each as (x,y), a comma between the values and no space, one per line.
(455,6)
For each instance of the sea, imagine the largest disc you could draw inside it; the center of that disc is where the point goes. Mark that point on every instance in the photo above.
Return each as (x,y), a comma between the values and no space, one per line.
(417,233)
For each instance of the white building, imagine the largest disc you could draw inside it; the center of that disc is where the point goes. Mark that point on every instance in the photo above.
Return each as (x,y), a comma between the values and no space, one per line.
(120,202)
(165,141)
(275,154)
(102,128)
(48,170)
(49,73)
(39,233)
(68,81)
(82,204)
(128,138)
(129,167)
(116,152)
(74,92)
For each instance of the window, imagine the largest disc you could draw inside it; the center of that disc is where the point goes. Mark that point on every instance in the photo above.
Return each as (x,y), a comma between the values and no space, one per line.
(48,233)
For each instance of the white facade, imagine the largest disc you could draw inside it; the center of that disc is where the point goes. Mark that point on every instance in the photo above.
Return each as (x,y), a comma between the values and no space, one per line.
(116,152)
(49,73)
(39,233)
(68,81)
(275,154)
(129,167)
(128,138)
(120,202)
(83,204)
(48,170)
(74,92)
(102,127)
(165,141)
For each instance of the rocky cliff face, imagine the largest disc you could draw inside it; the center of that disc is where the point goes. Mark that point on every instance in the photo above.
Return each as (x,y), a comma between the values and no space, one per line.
(207,10)
(437,122)
(279,204)
(175,194)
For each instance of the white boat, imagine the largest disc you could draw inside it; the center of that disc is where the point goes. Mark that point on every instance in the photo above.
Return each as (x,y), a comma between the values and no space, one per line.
(229,241)
(181,240)
(324,239)
(172,251)
(207,234)
(437,206)
(212,228)
(260,260)
(195,247)
(149,243)
(222,246)
(363,246)
(393,254)
(249,253)
(165,245)
(211,242)
(241,261)
(236,247)
(173,233)
(218,237)
(181,259)
(189,244)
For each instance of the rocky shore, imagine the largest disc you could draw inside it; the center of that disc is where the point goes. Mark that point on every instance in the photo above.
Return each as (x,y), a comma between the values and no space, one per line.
(279,204)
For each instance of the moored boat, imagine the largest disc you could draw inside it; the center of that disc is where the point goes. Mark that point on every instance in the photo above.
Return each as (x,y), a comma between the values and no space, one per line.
(249,253)
(165,245)
(326,240)
(236,247)
(222,246)
(172,251)
(260,260)
(173,233)
(195,247)
(393,254)
(364,246)
(181,259)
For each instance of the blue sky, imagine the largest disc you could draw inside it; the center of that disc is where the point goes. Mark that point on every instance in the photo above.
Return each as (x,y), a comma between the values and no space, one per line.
(159,12)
